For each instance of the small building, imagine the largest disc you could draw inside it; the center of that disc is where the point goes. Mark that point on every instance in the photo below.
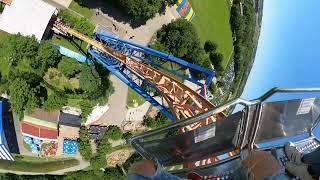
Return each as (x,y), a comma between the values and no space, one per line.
(27,17)
(41,124)
(69,125)
(97,132)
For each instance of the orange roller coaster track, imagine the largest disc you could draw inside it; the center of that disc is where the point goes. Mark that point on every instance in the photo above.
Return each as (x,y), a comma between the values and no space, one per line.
(182,101)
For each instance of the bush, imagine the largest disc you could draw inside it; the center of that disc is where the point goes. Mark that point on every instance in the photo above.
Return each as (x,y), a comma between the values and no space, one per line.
(55,102)
(160,121)
(114,132)
(90,80)
(69,67)
(135,157)
(210,46)
(86,108)
(104,146)
(98,161)
(127,135)
(84,144)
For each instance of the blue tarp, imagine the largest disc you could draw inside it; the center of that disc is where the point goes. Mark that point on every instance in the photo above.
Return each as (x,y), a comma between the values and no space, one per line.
(70,147)
(27,139)
(37,141)
(71,54)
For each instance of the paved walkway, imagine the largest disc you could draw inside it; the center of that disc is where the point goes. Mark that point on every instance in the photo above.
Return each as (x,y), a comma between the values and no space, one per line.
(142,34)
(82,165)
(118,102)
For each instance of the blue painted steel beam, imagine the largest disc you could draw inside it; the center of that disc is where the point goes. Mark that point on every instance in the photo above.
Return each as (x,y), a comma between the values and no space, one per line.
(120,45)
(115,69)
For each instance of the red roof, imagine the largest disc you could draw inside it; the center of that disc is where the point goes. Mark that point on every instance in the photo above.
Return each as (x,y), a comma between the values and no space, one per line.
(39,131)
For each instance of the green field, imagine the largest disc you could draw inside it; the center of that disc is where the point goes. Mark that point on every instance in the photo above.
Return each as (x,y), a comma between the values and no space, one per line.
(212,23)
(84,11)
(35,164)
(3,35)
(75,45)
(134,99)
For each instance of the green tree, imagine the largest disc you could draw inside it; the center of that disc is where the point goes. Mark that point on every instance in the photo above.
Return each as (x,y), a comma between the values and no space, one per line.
(19,47)
(141,9)
(86,108)
(22,97)
(210,46)
(159,121)
(80,24)
(135,157)
(114,132)
(150,122)
(179,37)
(48,56)
(84,144)
(98,161)
(127,135)
(216,59)
(55,102)
(69,67)
(90,80)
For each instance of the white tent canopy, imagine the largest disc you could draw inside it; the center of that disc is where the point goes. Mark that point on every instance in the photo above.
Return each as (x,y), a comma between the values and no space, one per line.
(27,17)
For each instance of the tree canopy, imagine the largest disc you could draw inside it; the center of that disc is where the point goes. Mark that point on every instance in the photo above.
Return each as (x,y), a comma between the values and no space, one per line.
(216,59)
(22,97)
(48,56)
(159,121)
(84,144)
(180,39)
(114,132)
(69,67)
(90,80)
(80,24)
(210,46)
(55,102)
(141,9)
(19,47)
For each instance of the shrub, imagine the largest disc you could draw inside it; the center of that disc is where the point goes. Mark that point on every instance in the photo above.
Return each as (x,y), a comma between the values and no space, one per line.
(69,67)
(114,132)
(80,24)
(55,102)
(84,144)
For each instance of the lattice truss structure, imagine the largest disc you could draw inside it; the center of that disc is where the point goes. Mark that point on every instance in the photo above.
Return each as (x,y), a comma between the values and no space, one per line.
(137,66)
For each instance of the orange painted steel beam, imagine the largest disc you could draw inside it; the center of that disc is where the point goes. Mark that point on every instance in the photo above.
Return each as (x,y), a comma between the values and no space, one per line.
(182,101)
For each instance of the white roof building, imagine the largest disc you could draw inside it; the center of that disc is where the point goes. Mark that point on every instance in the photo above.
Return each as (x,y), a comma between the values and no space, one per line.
(27,17)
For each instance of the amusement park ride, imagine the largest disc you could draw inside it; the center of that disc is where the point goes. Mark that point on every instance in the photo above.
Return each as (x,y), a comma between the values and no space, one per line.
(202,138)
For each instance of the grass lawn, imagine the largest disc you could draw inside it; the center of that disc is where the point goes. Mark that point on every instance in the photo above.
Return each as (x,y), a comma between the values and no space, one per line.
(212,23)
(81,48)
(74,102)
(56,79)
(84,11)
(134,99)
(3,35)
(26,146)
(34,164)
(4,59)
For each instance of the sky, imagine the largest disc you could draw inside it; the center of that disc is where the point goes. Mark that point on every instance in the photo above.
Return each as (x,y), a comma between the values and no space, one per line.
(288,53)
